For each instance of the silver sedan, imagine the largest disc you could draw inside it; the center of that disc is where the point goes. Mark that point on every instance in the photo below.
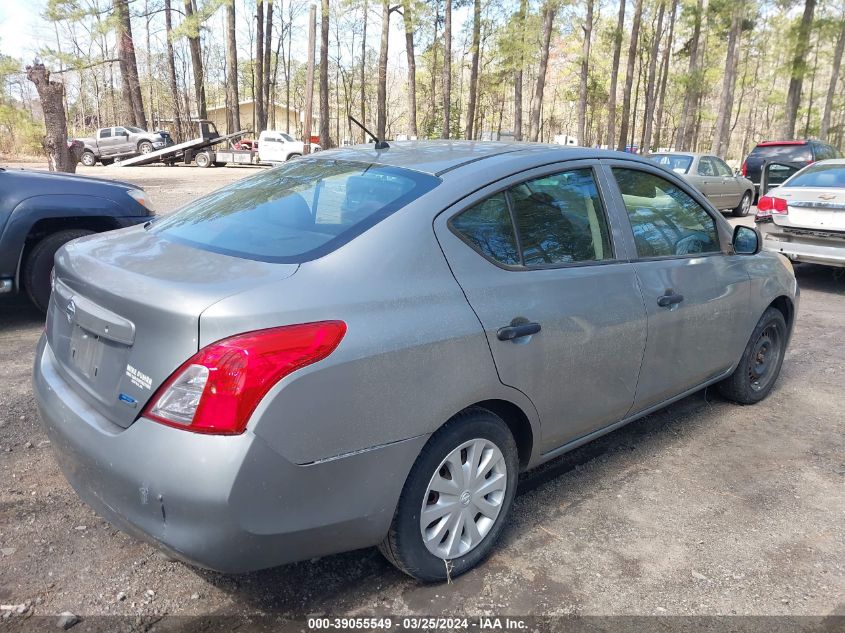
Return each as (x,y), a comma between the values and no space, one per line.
(711,176)
(364,347)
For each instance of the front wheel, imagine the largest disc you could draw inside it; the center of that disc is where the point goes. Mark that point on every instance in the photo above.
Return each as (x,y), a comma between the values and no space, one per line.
(759,367)
(145,147)
(456,499)
(294,155)
(744,206)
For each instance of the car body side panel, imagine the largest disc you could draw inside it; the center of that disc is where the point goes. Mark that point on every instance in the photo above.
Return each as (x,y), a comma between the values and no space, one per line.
(409,326)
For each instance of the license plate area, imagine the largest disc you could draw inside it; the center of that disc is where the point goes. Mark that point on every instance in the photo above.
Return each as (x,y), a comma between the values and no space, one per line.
(86,353)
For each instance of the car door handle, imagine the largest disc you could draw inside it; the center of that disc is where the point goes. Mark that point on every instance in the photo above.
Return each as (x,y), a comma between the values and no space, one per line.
(669,299)
(515,331)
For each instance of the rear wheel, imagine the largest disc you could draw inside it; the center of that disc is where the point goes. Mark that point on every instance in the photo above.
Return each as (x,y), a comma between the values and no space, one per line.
(106,161)
(456,499)
(39,264)
(759,367)
(744,206)
(203,160)
(88,159)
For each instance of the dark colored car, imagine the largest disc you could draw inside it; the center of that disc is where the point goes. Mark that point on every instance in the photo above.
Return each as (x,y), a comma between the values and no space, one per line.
(41,211)
(788,156)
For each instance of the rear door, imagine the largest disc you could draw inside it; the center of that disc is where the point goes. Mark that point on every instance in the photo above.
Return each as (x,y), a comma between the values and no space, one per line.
(106,142)
(540,262)
(696,295)
(708,182)
(731,189)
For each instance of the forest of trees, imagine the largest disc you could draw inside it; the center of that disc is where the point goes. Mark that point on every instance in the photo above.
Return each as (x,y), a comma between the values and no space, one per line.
(707,75)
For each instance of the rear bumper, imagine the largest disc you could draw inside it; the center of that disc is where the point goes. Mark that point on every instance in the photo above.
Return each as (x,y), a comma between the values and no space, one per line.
(225,503)
(814,247)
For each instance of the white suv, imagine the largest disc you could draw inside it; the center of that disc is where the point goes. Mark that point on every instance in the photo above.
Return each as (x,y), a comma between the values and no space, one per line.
(277,147)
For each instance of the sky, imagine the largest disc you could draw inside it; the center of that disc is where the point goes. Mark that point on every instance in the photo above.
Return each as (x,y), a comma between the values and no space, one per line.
(22,29)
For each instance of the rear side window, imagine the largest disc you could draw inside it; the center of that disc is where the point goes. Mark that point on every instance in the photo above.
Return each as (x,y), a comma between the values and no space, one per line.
(666,221)
(823,176)
(706,167)
(558,219)
(105,132)
(296,212)
(678,163)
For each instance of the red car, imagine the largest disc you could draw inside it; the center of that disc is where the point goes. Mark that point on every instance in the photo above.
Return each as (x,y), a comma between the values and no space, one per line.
(247,144)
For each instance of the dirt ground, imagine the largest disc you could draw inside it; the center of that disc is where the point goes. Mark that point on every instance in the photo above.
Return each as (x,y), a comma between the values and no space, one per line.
(704,508)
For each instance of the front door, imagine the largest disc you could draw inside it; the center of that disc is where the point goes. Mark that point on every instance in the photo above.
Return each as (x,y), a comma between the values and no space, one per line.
(696,293)
(538,260)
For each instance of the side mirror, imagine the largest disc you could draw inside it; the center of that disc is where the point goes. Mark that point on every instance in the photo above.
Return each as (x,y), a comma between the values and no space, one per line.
(746,240)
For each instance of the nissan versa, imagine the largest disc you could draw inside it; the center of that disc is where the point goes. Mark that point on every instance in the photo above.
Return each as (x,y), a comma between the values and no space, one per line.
(364,347)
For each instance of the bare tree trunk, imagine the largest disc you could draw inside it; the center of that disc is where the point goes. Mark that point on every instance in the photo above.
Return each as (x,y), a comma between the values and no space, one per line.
(171,73)
(268,49)
(309,84)
(661,97)
(196,63)
(798,70)
(686,126)
(447,69)
(433,73)
(518,75)
(473,73)
(51,94)
(381,93)
(585,74)
(132,97)
(629,76)
(234,112)
(614,75)
(650,81)
(549,11)
(324,74)
(364,74)
(722,131)
(258,91)
(834,79)
(408,19)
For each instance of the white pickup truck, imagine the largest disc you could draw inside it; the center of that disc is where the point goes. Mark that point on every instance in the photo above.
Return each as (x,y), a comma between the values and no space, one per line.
(277,147)
(120,141)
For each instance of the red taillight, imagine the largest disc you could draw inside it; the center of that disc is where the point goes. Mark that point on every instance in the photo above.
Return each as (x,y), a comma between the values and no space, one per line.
(744,169)
(217,389)
(768,205)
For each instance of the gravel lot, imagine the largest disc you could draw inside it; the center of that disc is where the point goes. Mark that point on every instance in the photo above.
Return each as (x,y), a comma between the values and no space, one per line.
(704,508)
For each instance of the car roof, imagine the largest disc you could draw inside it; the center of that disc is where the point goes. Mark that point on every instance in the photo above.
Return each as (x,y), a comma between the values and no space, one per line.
(440,156)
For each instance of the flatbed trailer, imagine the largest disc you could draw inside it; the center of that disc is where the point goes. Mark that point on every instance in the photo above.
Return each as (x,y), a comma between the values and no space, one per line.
(185,152)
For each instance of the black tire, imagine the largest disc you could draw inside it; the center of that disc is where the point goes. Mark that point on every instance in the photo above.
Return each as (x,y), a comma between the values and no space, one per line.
(39,264)
(744,206)
(220,163)
(294,155)
(203,160)
(403,546)
(106,161)
(88,159)
(145,147)
(759,367)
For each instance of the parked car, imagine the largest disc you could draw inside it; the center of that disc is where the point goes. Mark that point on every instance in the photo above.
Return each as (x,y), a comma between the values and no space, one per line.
(712,177)
(246,144)
(804,218)
(789,156)
(364,347)
(277,147)
(110,143)
(41,211)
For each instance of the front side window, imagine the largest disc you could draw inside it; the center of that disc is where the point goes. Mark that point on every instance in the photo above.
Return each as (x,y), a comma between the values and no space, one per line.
(120,131)
(296,212)
(666,221)
(559,220)
(722,168)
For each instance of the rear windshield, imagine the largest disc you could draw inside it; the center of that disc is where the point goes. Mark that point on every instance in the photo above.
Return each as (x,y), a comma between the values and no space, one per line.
(299,211)
(822,176)
(786,153)
(678,163)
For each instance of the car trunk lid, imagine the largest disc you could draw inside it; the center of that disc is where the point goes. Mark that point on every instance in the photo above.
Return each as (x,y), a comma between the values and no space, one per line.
(818,209)
(125,309)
